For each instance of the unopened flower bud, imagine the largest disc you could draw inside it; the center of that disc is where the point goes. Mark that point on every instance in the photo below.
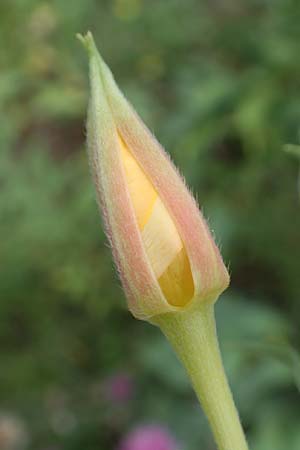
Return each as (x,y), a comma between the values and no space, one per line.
(164,252)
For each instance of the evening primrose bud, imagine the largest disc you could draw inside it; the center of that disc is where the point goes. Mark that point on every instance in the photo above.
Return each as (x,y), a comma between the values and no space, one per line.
(164,252)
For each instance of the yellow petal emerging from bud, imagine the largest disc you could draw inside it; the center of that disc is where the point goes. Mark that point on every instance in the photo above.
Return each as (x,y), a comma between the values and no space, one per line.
(164,252)
(164,247)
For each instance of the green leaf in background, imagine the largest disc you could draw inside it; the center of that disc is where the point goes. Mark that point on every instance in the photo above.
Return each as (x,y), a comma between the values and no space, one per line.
(292,149)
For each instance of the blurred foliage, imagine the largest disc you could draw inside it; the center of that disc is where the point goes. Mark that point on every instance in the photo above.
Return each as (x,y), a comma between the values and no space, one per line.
(219,82)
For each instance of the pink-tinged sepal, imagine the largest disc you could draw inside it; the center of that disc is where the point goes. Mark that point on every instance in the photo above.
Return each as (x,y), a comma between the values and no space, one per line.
(111,118)
(142,291)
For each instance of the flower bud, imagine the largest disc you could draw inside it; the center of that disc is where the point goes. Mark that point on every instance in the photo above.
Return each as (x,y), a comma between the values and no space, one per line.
(164,252)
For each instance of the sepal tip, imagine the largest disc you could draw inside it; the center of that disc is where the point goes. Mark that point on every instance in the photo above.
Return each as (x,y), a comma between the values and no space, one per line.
(87,41)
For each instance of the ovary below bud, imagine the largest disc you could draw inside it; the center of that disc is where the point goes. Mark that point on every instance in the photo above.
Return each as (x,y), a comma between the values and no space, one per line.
(163,245)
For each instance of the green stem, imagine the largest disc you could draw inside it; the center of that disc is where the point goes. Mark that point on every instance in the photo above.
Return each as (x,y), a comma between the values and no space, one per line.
(192,333)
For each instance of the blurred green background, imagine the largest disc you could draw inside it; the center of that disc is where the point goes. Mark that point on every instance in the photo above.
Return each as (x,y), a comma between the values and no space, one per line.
(218,82)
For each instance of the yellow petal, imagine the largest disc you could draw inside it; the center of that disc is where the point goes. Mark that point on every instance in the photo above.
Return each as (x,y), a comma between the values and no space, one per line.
(161,239)
(142,193)
(177,281)
(163,245)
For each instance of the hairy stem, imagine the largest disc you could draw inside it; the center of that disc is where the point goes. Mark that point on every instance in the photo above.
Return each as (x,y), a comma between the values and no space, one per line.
(193,336)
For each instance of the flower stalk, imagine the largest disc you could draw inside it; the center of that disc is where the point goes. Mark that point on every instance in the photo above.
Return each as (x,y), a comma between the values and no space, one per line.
(192,334)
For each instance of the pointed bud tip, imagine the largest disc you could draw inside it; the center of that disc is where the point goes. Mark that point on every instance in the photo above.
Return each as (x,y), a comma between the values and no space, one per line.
(87,41)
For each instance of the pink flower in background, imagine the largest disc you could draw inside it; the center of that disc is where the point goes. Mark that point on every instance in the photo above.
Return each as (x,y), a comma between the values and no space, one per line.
(13,434)
(148,437)
(119,388)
